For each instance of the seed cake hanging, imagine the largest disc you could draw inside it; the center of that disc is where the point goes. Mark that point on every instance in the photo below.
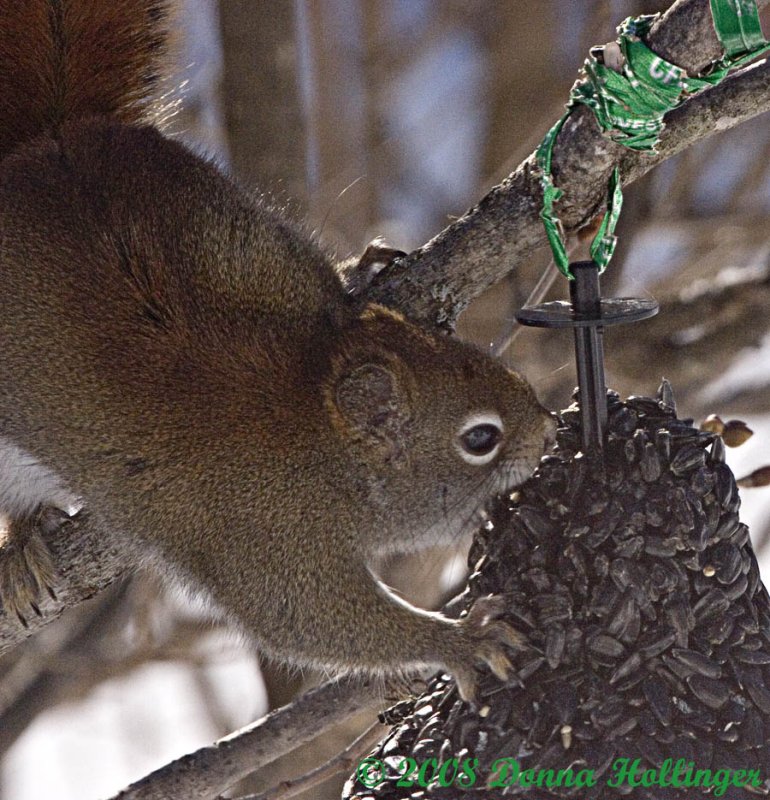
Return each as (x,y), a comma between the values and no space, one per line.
(638,589)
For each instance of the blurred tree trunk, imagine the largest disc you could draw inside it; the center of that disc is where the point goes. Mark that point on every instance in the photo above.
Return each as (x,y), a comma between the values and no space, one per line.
(524,93)
(261,96)
(524,86)
(343,118)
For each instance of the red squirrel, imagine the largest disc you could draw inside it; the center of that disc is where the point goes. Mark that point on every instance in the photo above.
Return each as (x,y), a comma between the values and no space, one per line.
(188,365)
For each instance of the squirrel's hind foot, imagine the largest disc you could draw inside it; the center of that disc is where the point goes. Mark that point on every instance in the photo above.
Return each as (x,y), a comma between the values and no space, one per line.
(27,570)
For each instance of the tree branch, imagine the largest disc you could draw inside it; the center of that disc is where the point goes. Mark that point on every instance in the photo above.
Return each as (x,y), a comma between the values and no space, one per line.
(209,771)
(436,282)
(87,562)
(343,762)
(701,331)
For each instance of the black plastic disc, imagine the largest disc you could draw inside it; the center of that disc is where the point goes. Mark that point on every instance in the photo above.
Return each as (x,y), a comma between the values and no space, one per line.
(614,311)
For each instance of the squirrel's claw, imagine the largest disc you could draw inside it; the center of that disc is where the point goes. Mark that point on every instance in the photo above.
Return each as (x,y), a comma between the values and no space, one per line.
(487,639)
(27,569)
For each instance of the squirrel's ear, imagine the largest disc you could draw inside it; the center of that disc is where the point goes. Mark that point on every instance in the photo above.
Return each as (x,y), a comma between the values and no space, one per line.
(375,409)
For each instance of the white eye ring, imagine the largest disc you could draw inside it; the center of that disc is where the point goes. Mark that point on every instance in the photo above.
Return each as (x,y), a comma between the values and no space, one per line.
(480,438)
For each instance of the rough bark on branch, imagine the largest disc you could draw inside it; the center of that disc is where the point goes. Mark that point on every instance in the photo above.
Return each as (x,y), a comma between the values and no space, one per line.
(436,282)
(86,561)
(209,771)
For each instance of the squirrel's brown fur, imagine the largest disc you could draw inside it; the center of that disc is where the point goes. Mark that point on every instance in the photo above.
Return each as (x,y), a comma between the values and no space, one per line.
(182,359)
(63,60)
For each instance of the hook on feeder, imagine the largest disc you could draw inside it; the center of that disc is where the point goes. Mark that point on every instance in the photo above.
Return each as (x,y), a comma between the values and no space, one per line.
(588,314)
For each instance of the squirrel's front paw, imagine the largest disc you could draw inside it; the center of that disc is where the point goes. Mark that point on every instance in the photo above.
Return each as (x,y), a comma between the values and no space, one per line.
(26,565)
(482,639)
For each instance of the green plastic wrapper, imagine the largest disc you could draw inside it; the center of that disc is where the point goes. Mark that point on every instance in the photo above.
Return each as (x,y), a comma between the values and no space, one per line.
(630,105)
(737,25)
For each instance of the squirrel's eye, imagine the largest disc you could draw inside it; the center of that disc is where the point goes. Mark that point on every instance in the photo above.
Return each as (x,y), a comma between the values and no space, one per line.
(480,438)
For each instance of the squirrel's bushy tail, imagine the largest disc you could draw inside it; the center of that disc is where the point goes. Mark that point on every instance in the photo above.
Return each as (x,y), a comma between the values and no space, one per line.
(66,59)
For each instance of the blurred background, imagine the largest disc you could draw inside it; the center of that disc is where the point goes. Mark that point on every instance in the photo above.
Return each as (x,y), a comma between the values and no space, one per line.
(392,117)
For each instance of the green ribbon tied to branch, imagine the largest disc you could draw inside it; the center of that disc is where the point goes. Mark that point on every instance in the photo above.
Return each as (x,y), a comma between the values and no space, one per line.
(630,100)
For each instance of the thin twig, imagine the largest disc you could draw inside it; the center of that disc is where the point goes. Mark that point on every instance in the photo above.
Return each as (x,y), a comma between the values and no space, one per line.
(343,762)
(211,770)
